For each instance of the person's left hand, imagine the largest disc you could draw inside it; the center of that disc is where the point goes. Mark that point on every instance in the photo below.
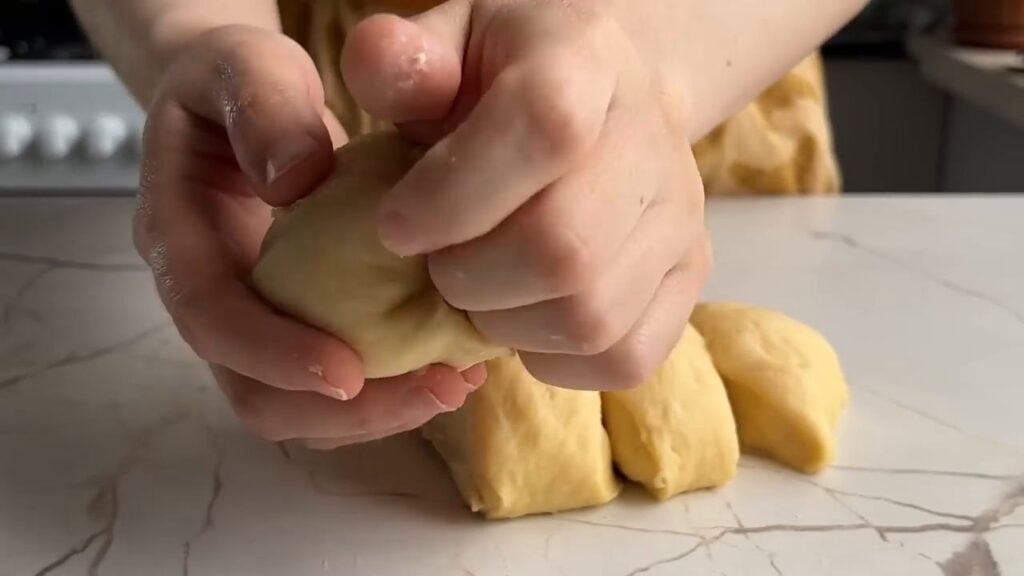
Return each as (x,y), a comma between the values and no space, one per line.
(561,204)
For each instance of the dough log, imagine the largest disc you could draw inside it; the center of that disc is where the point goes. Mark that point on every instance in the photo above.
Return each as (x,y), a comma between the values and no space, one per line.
(675,432)
(519,446)
(784,382)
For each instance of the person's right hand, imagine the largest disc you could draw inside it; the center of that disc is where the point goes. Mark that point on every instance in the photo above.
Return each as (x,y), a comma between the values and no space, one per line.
(239,125)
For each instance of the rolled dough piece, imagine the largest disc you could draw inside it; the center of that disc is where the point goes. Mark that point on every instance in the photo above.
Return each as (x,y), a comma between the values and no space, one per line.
(675,432)
(322,262)
(784,382)
(519,446)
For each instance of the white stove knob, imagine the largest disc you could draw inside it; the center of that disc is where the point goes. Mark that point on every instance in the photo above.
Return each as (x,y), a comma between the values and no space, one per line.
(58,135)
(15,135)
(104,136)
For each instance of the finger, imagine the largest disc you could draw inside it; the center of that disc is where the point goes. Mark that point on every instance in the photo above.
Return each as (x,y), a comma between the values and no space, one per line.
(383,405)
(264,89)
(557,242)
(180,230)
(592,320)
(632,360)
(334,128)
(474,378)
(536,121)
(404,70)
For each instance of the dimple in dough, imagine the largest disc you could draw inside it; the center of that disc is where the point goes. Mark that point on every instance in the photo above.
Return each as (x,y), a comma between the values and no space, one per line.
(784,382)
(322,262)
(519,446)
(675,432)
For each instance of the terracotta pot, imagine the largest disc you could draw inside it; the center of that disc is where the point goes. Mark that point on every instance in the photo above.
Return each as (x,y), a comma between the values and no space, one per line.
(990,23)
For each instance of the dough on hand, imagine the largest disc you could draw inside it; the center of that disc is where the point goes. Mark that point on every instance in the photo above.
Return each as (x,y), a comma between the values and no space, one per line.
(675,432)
(784,382)
(322,262)
(519,446)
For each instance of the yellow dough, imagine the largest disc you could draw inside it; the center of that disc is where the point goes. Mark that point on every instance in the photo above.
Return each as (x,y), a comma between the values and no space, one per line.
(675,432)
(519,446)
(784,382)
(322,262)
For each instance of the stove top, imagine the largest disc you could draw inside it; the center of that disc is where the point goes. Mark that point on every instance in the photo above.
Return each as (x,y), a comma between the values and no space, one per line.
(41,30)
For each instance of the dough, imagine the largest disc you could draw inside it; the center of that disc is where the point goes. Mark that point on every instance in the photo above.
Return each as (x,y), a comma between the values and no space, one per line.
(784,382)
(519,446)
(675,432)
(323,262)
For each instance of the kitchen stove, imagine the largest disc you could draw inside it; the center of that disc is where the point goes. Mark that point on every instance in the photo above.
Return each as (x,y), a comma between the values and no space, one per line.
(67,125)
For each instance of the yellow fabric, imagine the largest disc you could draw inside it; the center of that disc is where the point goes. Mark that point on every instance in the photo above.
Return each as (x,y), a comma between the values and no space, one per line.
(779,144)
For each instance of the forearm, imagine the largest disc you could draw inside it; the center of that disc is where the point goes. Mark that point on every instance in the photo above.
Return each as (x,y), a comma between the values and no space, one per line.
(141,38)
(722,53)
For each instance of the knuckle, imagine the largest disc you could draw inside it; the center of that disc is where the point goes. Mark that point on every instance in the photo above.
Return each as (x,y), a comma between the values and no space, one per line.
(598,28)
(562,257)
(553,114)
(589,327)
(627,367)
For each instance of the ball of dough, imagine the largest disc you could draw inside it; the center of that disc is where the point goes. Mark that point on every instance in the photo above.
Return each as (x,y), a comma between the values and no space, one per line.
(784,382)
(322,262)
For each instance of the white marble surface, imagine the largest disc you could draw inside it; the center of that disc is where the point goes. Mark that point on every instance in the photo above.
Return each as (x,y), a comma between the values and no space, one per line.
(118,456)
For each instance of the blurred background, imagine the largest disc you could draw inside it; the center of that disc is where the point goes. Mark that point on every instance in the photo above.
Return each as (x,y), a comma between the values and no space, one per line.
(925,95)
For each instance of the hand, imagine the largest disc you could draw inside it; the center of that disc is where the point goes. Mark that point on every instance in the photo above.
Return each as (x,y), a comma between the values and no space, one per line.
(561,204)
(238,125)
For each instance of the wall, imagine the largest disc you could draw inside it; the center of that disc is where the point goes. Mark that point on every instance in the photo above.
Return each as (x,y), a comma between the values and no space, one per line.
(888,125)
(895,132)
(983,153)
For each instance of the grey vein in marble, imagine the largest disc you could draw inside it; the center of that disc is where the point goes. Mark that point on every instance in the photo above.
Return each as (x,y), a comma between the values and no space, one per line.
(80,357)
(71,264)
(835,493)
(914,410)
(924,472)
(850,241)
(105,505)
(770,556)
(675,558)
(265,510)
(16,300)
(216,485)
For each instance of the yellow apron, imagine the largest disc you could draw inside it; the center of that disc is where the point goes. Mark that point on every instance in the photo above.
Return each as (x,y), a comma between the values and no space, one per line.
(779,144)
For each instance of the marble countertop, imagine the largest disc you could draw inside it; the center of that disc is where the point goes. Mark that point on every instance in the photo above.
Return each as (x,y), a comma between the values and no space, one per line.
(118,456)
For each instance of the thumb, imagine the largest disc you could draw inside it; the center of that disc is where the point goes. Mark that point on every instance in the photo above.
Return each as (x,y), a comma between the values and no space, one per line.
(264,90)
(405,70)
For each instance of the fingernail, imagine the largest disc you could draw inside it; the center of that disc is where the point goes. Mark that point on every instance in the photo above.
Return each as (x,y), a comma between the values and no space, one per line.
(338,393)
(288,153)
(474,377)
(396,233)
(437,401)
